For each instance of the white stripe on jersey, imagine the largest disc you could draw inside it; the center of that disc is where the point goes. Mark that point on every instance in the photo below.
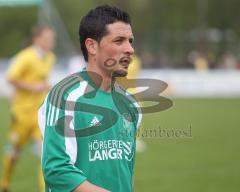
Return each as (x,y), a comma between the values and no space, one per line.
(42,117)
(139,114)
(71,142)
(52,112)
(50,109)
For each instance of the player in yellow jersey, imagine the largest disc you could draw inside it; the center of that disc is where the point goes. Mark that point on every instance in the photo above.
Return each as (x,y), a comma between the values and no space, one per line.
(134,67)
(28,74)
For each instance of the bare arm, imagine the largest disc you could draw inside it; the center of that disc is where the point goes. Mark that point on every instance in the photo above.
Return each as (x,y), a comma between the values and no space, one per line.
(88,187)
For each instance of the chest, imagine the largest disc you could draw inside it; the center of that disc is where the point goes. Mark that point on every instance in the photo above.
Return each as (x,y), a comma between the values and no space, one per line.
(39,69)
(103,117)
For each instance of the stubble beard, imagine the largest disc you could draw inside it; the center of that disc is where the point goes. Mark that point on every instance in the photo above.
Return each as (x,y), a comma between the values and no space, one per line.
(119,73)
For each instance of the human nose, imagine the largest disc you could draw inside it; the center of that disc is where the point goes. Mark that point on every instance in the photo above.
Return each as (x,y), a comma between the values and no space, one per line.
(129,48)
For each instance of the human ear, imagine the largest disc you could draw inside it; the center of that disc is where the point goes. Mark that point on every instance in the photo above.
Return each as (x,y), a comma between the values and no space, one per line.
(91,46)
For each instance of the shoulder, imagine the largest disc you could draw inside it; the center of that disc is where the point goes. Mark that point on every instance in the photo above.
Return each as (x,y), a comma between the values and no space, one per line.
(128,99)
(25,57)
(23,54)
(20,60)
(70,88)
(26,52)
(126,95)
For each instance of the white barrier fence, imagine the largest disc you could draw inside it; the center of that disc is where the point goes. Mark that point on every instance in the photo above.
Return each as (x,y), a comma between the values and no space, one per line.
(182,83)
(191,83)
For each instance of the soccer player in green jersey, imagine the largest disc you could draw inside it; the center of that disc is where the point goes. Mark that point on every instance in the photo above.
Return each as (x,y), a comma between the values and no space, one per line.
(88,121)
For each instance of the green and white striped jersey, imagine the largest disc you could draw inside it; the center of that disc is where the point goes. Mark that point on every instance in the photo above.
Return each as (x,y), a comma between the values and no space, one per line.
(88,134)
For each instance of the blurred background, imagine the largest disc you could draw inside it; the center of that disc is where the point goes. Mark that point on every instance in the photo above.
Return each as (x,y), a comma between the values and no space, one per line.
(192,45)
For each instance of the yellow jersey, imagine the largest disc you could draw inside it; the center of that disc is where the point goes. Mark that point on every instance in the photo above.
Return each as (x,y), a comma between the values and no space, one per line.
(133,71)
(32,67)
(134,67)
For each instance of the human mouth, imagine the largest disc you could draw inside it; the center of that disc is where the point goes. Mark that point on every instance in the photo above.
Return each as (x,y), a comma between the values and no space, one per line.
(125,61)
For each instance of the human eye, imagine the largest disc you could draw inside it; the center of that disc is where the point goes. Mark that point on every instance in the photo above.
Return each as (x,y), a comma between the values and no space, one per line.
(131,41)
(118,41)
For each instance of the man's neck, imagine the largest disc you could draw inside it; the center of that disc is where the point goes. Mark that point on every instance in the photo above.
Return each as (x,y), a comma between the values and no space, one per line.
(106,83)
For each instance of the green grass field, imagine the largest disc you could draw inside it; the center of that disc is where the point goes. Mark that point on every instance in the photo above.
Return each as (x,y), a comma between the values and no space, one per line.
(208,161)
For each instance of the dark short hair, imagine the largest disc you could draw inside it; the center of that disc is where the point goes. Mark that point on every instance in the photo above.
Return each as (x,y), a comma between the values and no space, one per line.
(93,24)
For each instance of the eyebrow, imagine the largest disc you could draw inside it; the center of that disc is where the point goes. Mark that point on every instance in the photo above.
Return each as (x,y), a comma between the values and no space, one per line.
(123,37)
